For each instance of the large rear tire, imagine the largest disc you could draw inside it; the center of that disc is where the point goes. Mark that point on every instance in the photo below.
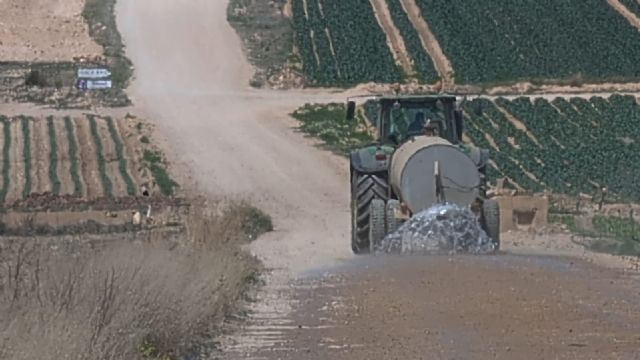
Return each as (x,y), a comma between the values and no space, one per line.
(491,221)
(364,189)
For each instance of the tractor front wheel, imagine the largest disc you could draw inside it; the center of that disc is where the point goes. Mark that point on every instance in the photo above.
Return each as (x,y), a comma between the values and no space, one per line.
(491,221)
(365,188)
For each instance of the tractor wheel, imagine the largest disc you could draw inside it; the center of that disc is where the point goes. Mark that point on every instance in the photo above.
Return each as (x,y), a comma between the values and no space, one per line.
(491,221)
(364,189)
(377,228)
(392,222)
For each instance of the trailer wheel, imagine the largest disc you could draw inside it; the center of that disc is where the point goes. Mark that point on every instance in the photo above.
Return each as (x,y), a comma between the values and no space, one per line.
(377,228)
(491,221)
(364,189)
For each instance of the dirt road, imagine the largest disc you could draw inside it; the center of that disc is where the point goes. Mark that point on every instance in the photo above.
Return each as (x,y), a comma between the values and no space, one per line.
(191,77)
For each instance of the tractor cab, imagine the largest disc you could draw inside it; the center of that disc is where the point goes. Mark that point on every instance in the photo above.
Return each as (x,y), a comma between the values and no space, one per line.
(403,117)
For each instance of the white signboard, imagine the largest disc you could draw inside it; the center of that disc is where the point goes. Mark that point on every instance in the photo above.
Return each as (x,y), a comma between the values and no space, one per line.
(94,84)
(93,73)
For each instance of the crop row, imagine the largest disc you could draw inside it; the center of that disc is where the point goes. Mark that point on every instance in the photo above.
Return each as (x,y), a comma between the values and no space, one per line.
(423,65)
(16,185)
(341,43)
(570,146)
(506,40)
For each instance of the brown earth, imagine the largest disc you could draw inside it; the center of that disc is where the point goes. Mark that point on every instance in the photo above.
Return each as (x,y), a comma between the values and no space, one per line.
(87,153)
(394,38)
(40,155)
(109,149)
(44,30)
(16,185)
(430,43)
(64,161)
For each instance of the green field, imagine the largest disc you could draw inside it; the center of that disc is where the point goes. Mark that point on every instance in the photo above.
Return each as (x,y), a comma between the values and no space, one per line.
(487,42)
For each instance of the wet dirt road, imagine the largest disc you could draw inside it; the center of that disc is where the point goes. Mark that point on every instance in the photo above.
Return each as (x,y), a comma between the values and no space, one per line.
(462,307)
(191,80)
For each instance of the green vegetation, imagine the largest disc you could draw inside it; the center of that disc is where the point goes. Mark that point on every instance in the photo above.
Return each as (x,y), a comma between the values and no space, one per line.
(6,157)
(156,165)
(581,144)
(611,234)
(53,157)
(328,123)
(73,157)
(100,15)
(506,40)
(102,162)
(426,71)
(26,153)
(122,161)
(359,44)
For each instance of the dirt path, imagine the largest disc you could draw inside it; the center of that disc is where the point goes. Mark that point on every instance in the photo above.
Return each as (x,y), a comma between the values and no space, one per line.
(394,39)
(629,15)
(16,185)
(238,142)
(110,154)
(88,159)
(430,43)
(40,153)
(64,161)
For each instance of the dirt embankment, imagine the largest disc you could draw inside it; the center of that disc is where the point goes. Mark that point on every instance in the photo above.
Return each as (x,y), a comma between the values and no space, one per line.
(394,38)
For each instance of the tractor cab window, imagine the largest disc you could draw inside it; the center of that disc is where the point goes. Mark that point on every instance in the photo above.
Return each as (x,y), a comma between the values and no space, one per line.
(409,120)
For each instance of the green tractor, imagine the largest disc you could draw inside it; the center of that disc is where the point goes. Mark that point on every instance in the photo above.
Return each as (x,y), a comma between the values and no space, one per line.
(417,161)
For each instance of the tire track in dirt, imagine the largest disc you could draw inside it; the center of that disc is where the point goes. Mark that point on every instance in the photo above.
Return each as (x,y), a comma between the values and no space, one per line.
(111,157)
(40,155)
(17,162)
(395,42)
(626,13)
(64,161)
(430,42)
(87,153)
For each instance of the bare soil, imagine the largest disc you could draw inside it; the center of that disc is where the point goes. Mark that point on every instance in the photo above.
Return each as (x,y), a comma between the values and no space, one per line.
(64,161)
(629,15)
(87,153)
(16,185)
(394,38)
(430,42)
(40,155)
(44,30)
(109,148)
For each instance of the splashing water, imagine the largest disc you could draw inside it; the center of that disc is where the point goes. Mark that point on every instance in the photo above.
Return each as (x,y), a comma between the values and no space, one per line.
(439,229)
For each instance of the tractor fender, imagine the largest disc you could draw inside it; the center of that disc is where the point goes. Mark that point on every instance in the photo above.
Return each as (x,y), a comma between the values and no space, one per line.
(480,157)
(364,160)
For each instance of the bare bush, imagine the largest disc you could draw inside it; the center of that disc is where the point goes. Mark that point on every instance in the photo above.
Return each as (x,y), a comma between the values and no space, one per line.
(79,300)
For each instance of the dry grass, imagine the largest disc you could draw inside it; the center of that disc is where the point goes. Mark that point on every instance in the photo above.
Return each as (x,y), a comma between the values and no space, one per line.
(77,299)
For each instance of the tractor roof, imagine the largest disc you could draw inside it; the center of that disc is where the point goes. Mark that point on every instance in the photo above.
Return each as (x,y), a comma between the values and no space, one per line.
(417,98)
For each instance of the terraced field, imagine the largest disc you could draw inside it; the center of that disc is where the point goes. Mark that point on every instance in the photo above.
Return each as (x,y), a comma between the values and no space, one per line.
(85,157)
(344,43)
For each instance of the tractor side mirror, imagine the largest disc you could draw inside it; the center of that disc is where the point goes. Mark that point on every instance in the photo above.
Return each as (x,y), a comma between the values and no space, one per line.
(457,114)
(351,110)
